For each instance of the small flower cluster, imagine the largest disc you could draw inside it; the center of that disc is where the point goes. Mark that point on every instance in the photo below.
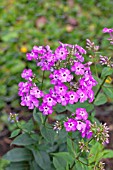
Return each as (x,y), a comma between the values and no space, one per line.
(83,146)
(71,78)
(101,165)
(100,132)
(104,60)
(110,32)
(91,46)
(13,117)
(79,122)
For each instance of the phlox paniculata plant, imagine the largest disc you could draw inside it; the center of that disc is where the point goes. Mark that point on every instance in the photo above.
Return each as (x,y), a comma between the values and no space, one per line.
(67,135)
(72,81)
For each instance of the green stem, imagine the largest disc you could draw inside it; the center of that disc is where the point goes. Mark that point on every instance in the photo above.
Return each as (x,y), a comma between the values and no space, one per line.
(21,128)
(42,80)
(77,158)
(100,88)
(45,120)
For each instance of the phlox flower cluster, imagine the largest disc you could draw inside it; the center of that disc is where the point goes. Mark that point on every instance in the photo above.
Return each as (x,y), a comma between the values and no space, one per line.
(110,32)
(79,122)
(66,67)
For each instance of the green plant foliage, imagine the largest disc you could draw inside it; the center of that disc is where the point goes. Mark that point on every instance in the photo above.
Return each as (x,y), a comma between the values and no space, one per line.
(25,24)
(23,140)
(18,155)
(101,99)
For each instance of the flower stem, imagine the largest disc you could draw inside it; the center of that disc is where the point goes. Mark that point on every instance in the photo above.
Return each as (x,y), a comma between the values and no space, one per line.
(42,80)
(100,88)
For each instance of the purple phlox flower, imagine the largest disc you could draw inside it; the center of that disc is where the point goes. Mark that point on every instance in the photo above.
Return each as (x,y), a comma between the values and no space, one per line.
(70,125)
(65,45)
(61,53)
(104,60)
(81,126)
(32,55)
(54,76)
(78,68)
(81,114)
(52,92)
(29,101)
(82,95)
(73,97)
(45,63)
(87,82)
(40,49)
(90,94)
(49,100)
(27,74)
(24,87)
(36,92)
(46,110)
(87,133)
(79,57)
(107,30)
(63,99)
(64,75)
(80,49)
(60,89)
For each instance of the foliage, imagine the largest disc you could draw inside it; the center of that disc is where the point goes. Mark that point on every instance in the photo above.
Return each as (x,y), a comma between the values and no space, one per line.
(64,149)
(25,24)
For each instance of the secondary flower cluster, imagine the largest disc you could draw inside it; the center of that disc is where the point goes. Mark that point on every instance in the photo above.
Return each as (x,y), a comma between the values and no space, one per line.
(71,78)
(79,122)
(110,32)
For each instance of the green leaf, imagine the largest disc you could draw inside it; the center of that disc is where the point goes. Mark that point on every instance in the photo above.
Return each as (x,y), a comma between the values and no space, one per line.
(15,133)
(59,108)
(64,155)
(48,134)
(86,105)
(38,117)
(23,140)
(100,100)
(70,147)
(29,126)
(18,154)
(61,136)
(80,166)
(107,71)
(34,166)
(9,36)
(107,153)
(18,166)
(108,91)
(95,154)
(59,163)
(42,159)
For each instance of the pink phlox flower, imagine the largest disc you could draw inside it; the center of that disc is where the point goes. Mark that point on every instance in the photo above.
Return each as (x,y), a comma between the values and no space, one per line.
(27,74)
(46,110)
(36,92)
(63,99)
(78,68)
(60,89)
(70,125)
(73,97)
(54,77)
(82,95)
(49,100)
(32,56)
(107,30)
(81,114)
(64,75)
(61,53)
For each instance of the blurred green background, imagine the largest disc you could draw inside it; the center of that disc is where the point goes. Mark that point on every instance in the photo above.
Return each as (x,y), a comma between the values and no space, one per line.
(26,23)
